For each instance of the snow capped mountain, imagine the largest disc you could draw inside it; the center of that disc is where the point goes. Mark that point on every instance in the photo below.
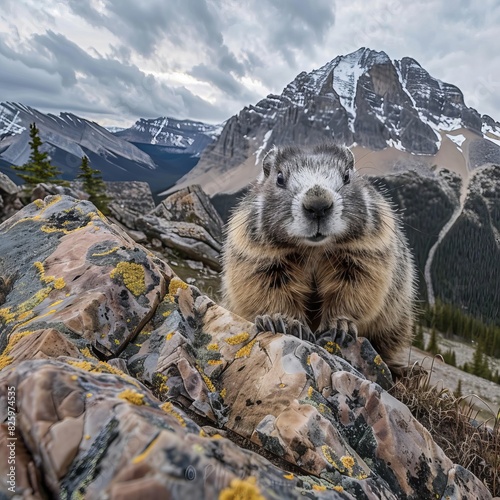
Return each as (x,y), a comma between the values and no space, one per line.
(389,112)
(183,135)
(68,137)
(63,135)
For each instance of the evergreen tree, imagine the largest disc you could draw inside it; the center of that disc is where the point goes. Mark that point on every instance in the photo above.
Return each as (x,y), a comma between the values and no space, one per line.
(93,185)
(458,390)
(38,169)
(433,347)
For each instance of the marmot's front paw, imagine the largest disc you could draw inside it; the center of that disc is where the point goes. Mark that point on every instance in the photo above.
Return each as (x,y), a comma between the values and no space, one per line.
(341,332)
(278,323)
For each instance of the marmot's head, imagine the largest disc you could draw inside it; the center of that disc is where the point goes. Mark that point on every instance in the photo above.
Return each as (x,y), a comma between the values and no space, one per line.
(302,195)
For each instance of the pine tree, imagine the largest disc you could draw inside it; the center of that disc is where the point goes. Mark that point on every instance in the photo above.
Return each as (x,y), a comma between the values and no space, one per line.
(38,169)
(433,347)
(458,390)
(94,186)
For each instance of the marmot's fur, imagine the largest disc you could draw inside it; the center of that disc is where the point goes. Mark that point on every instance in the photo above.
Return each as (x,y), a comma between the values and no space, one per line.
(315,242)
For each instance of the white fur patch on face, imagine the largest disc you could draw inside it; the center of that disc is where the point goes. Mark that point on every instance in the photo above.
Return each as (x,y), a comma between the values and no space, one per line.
(331,226)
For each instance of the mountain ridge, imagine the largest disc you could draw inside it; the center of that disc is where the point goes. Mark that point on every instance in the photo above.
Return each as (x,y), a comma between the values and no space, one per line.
(393,109)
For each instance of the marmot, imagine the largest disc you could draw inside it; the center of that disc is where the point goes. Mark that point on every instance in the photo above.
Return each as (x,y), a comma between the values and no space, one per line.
(314,247)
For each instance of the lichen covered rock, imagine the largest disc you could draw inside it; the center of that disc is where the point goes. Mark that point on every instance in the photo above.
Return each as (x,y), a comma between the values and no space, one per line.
(116,363)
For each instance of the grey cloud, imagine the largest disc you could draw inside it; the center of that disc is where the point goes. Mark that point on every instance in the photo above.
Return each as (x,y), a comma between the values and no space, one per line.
(118,86)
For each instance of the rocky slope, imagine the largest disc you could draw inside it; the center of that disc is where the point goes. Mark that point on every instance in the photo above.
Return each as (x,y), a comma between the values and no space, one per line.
(114,373)
(392,112)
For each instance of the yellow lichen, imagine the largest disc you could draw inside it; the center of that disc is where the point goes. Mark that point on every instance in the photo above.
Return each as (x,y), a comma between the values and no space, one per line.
(103,366)
(216,436)
(175,284)
(74,377)
(86,352)
(83,365)
(246,350)
(338,488)
(326,453)
(169,335)
(132,397)
(223,393)
(145,453)
(332,347)
(281,385)
(347,461)
(133,276)
(87,436)
(166,314)
(214,362)
(237,339)
(6,315)
(319,487)
(59,283)
(106,252)
(213,347)
(38,203)
(242,489)
(116,341)
(89,394)
(56,303)
(377,359)
(5,361)
(308,360)
(310,391)
(289,476)
(208,382)
(169,408)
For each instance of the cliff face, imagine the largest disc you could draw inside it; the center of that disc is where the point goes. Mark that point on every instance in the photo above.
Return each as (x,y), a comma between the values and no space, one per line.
(114,363)
(363,99)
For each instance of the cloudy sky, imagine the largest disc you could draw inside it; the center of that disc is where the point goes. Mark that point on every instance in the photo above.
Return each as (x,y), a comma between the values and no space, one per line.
(117,60)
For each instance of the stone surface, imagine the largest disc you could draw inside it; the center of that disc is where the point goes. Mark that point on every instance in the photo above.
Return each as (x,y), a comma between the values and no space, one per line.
(315,420)
(129,200)
(186,221)
(9,198)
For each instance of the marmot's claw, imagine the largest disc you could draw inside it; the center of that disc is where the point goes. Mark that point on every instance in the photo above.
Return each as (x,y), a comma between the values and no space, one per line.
(342,332)
(278,323)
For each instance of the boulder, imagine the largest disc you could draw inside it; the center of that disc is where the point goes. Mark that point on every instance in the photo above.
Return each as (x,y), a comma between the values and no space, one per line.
(9,197)
(129,200)
(186,221)
(125,382)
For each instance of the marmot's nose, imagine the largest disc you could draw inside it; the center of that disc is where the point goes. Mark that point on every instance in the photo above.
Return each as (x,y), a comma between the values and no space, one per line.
(317,207)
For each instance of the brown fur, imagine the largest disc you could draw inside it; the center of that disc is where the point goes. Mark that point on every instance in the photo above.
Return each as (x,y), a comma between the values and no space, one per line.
(367,278)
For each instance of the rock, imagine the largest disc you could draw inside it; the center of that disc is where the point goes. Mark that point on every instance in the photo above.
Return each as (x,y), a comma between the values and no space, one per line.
(186,221)
(9,198)
(43,190)
(315,420)
(130,200)
(78,274)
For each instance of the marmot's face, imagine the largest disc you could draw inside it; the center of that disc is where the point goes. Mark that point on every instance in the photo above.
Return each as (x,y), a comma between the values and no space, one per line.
(302,195)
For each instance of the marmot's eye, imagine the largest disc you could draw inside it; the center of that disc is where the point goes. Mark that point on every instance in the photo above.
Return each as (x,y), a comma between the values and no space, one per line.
(347,177)
(280,180)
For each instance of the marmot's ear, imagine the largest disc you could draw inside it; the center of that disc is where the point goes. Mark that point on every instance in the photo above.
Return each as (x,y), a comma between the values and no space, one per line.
(269,160)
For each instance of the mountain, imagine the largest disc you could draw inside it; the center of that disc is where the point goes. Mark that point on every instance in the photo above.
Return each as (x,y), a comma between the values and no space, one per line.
(391,112)
(68,137)
(181,135)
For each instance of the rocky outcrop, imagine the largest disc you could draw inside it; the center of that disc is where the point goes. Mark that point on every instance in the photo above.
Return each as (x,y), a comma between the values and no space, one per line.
(186,221)
(82,305)
(9,198)
(129,200)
